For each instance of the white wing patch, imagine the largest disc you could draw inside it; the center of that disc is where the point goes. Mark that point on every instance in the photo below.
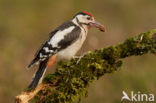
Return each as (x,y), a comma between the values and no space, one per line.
(47,50)
(41,55)
(59,36)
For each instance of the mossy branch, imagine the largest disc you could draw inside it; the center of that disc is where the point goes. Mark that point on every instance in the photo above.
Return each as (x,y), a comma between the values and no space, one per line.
(70,81)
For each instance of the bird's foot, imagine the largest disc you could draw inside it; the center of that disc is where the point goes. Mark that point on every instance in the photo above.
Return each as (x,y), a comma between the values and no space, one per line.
(79,57)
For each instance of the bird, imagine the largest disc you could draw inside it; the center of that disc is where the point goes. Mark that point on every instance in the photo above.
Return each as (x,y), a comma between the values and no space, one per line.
(63,44)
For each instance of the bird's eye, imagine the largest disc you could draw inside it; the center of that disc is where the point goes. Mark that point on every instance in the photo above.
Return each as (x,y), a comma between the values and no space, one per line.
(88,18)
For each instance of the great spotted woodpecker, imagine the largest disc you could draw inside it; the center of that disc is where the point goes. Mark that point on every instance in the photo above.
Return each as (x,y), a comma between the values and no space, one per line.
(63,43)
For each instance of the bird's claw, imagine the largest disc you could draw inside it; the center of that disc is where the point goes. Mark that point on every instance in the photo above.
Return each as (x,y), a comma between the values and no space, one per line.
(79,57)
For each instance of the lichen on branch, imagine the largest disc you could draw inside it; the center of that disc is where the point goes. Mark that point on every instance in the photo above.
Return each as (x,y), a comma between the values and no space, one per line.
(70,81)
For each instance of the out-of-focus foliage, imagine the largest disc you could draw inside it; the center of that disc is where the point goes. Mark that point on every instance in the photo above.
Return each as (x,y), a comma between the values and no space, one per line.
(25,24)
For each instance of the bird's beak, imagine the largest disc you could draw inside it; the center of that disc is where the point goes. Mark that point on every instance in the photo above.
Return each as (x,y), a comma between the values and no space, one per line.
(97,25)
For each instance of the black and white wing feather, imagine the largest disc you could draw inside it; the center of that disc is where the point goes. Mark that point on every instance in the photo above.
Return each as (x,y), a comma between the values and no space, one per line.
(59,39)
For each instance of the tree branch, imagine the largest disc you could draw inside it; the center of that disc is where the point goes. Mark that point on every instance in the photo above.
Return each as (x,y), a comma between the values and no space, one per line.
(70,81)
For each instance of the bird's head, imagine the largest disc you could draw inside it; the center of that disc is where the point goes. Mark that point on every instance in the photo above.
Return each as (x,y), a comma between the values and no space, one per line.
(87,20)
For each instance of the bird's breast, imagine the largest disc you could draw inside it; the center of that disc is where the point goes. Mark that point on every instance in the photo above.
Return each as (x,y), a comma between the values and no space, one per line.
(71,50)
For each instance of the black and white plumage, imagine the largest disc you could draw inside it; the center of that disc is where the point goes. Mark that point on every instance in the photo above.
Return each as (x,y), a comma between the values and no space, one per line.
(64,43)
(59,39)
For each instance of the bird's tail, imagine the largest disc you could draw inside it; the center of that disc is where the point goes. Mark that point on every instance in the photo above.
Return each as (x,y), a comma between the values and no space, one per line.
(38,76)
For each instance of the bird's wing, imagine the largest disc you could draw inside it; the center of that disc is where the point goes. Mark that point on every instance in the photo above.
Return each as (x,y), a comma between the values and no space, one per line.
(59,39)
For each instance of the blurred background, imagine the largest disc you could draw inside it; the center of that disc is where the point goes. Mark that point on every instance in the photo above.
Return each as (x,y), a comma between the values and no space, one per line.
(25,24)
